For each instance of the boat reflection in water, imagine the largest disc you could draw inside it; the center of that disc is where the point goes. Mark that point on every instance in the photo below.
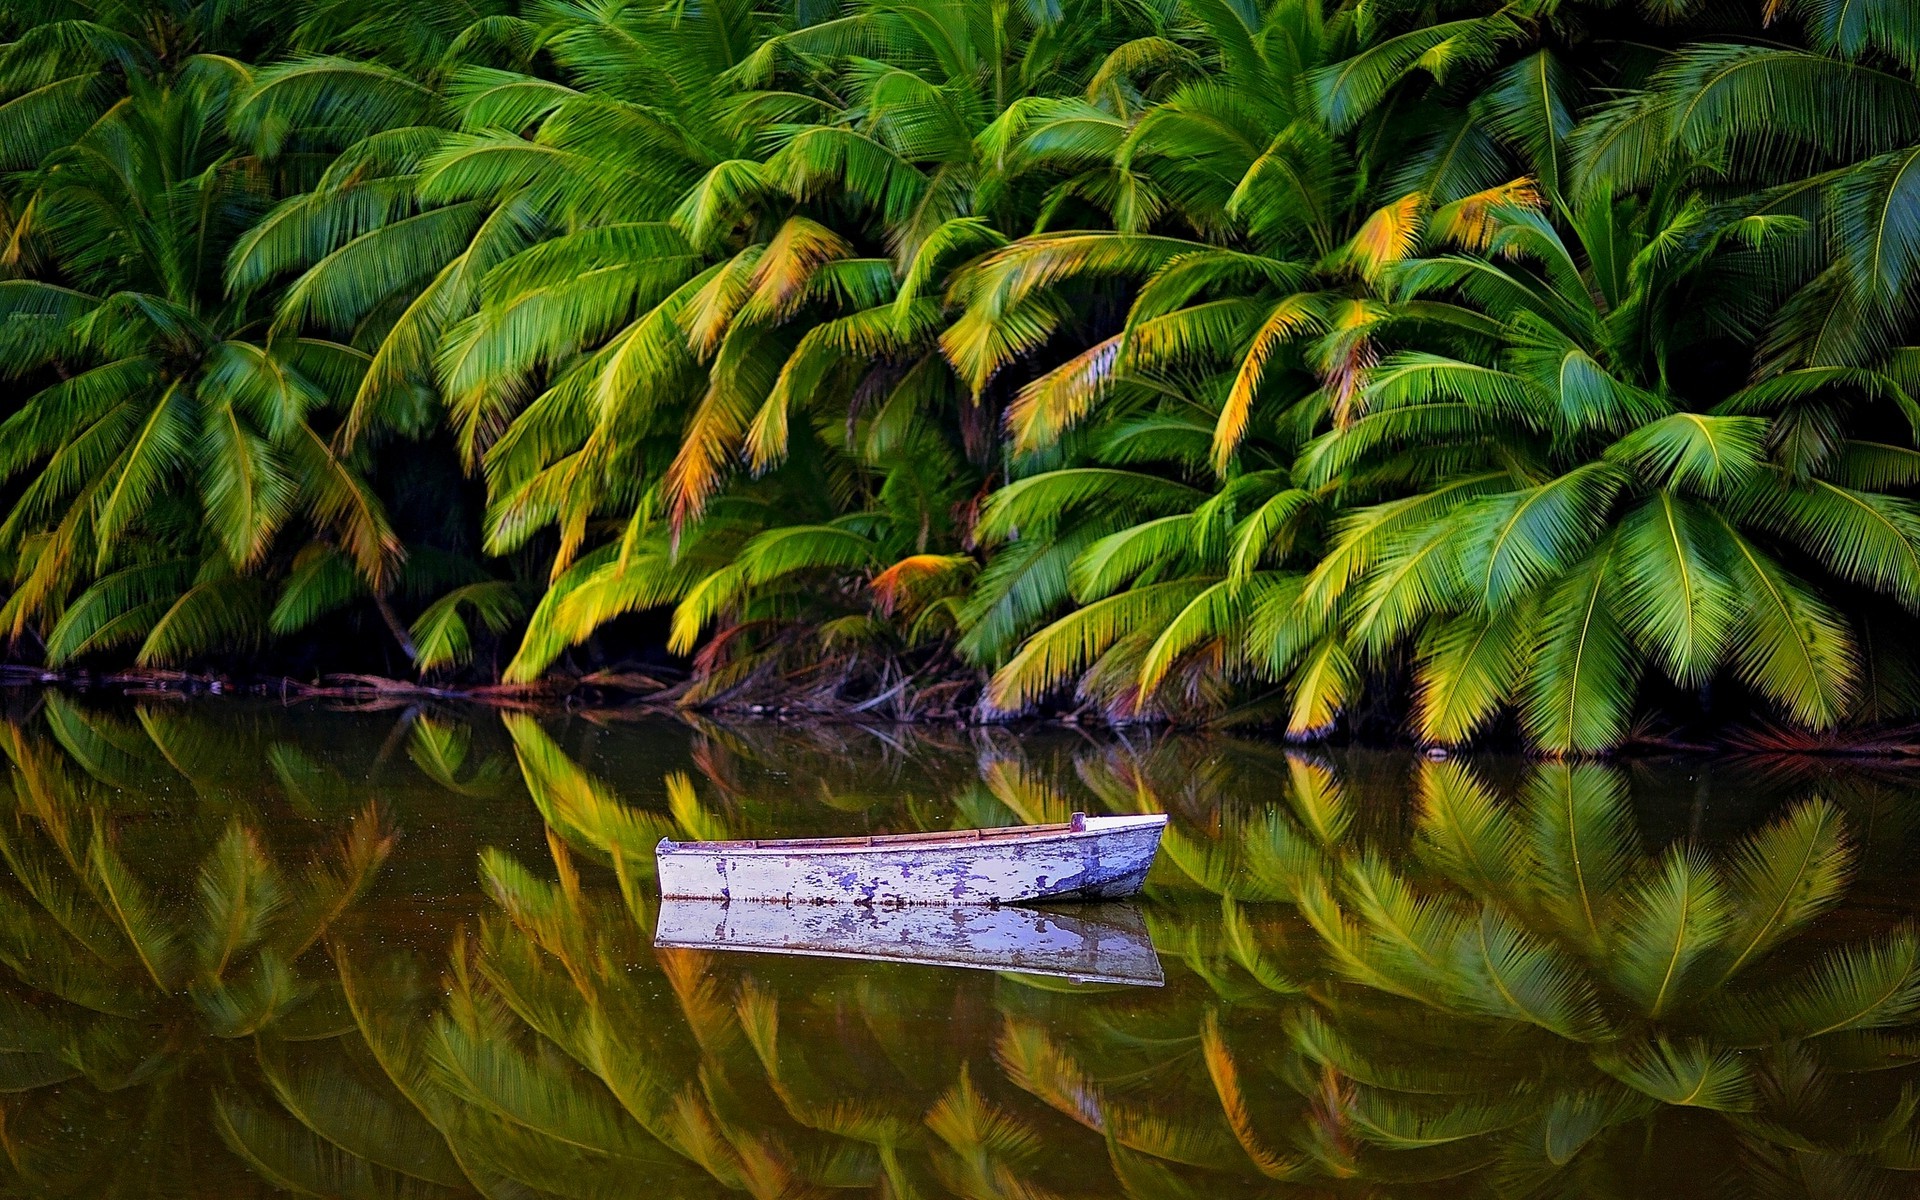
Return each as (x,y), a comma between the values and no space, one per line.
(1100,943)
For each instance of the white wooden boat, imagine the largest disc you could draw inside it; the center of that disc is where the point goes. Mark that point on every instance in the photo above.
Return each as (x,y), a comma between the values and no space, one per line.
(1087,858)
(1093,943)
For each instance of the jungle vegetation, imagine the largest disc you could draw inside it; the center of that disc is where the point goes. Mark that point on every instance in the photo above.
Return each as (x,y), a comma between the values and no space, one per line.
(1451,368)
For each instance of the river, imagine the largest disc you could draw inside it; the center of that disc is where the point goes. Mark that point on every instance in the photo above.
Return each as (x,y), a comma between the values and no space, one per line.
(250,949)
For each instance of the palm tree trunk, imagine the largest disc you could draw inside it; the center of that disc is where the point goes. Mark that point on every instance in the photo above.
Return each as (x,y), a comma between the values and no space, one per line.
(394,626)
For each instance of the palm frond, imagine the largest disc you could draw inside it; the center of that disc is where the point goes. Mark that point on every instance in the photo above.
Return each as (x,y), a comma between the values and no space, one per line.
(1783,876)
(1670,925)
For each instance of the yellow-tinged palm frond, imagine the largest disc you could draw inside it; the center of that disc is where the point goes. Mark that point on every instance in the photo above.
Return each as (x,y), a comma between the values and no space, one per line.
(1054,402)
(1470,222)
(1418,576)
(162,445)
(1036,1063)
(1218,613)
(785,267)
(742,375)
(247,490)
(595,591)
(1324,683)
(582,808)
(1114,561)
(1267,533)
(118,609)
(768,556)
(942,251)
(1390,235)
(1225,1073)
(709,314)
(983,339)
(969,1123)
(1056,654)
(1292,317)
(1006,310)
(835,347)
(908,582)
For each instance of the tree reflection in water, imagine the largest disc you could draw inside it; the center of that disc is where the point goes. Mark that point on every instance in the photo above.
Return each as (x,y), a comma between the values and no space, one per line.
(1385,978)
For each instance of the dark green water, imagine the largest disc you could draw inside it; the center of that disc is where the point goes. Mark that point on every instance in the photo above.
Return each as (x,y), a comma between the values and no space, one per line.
(247,950)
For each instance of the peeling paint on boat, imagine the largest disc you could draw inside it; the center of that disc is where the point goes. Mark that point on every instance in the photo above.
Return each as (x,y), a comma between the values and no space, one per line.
(1090,858)
(1098,943)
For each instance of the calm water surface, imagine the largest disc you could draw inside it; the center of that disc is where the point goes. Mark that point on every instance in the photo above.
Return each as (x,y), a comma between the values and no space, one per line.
(248,950)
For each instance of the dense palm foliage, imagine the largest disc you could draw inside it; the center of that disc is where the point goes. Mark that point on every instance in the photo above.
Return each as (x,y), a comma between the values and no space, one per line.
(1467,369)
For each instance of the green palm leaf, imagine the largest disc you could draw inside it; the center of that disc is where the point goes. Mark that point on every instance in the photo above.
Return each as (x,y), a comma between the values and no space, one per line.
(1468,668)
(1507,973)
(1689,1074)
(1783,876)
(1053,656)
(1670,925)
(240,896)
(1676,597)
(1702,454)
(1517,542)
(1467,834)
(1786,643)
(1865,537)
(163,446)
(131,905)
(297,1160)
(1582,847)
(1864,987)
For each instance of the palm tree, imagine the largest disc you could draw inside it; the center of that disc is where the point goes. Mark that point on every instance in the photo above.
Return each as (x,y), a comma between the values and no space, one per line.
(65,65)
(1823,127)
(556,189)
(813,350)
(1623,511)
(166,451)
(654,308)
(1260,238)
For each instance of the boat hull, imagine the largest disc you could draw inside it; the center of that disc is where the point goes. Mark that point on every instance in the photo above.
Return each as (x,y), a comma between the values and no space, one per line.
(1107,859)
(1092,944)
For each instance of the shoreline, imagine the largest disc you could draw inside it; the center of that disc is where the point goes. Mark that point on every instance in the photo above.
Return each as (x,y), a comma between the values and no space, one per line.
(612,695)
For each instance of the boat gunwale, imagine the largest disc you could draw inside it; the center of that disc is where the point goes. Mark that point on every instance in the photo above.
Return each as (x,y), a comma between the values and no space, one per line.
(955,838)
